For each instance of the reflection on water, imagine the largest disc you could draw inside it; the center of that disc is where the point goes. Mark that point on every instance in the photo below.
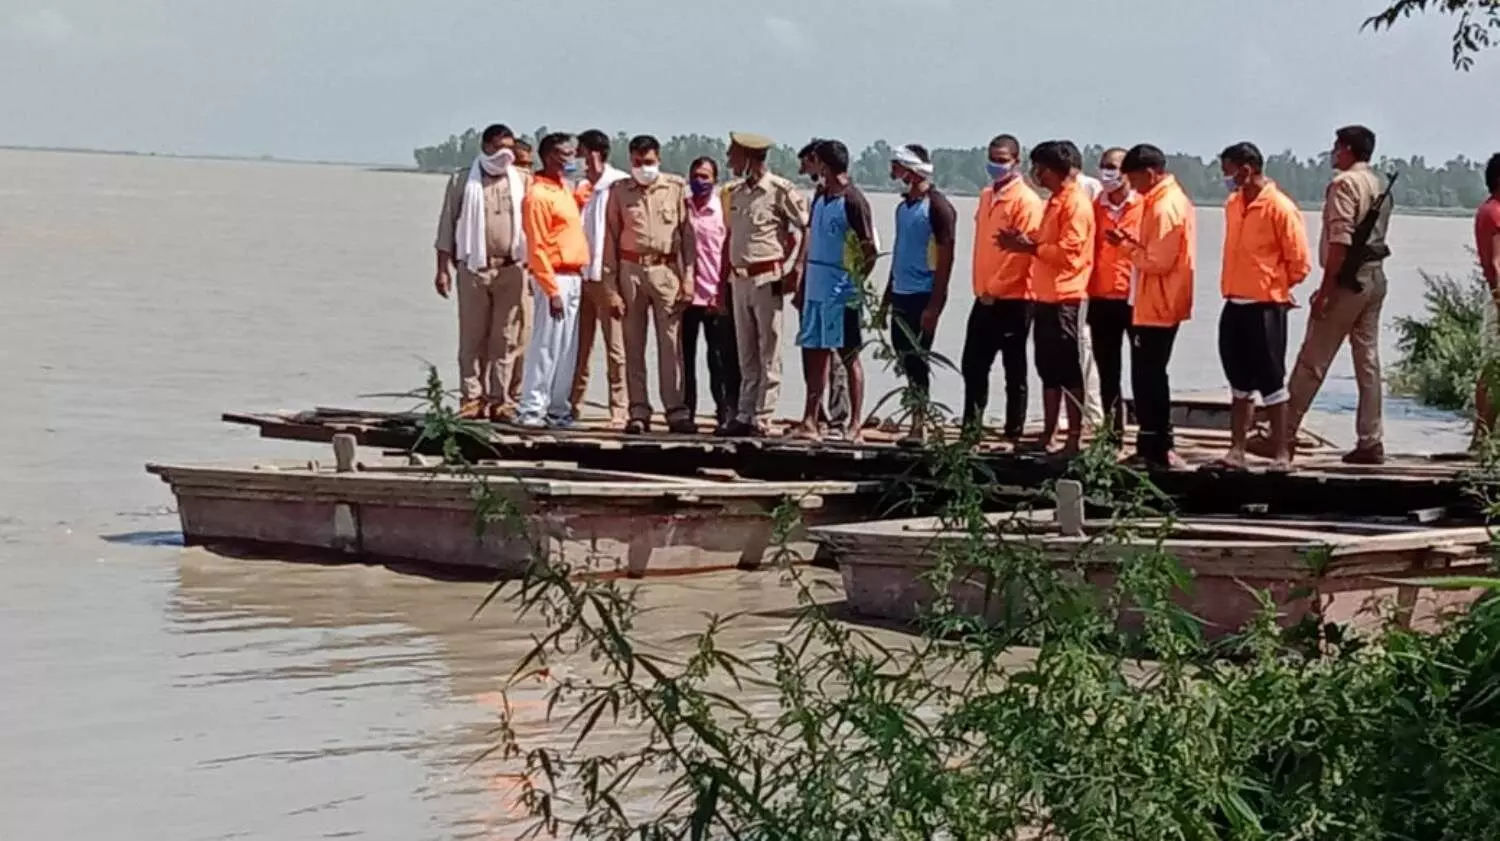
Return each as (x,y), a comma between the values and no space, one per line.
(350,670)
(153,692)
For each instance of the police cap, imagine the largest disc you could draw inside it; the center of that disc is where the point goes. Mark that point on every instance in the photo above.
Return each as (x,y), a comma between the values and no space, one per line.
(753,142)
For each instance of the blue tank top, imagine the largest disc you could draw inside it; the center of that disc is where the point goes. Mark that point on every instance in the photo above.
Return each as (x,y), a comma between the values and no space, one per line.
(827,270)
(913,256)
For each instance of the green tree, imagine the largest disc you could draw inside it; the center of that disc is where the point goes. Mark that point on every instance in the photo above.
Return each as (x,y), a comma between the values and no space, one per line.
(1478,23)
(1456,184)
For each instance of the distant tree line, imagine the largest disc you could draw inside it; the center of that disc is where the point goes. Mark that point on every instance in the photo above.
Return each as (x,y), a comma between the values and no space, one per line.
(1456,184)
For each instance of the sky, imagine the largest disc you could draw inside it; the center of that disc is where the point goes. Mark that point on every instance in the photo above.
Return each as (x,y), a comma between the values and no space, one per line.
(368,80)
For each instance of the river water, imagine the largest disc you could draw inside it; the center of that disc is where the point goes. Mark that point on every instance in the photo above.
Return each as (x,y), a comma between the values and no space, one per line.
(149,691)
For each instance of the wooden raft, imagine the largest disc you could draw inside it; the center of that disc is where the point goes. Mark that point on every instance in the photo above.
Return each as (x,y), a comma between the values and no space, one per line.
(1321,484)
(1338,570)
(593,520)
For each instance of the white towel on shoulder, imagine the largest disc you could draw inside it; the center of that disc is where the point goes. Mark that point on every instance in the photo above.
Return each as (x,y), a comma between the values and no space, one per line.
(473,249)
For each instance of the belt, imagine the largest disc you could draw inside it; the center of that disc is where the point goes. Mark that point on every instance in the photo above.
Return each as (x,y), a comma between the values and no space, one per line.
(647,260)
(761,267)
(505,262)
(578,270)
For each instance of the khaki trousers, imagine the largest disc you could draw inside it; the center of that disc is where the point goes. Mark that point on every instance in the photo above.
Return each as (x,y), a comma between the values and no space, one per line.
(490,339)
(518,370)
(1355,315)
(594,316)
(757,333)
(650,292)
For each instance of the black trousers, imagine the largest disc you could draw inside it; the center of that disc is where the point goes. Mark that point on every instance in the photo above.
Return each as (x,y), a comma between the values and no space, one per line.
(1150,354)
(723,360)
(910,343)
(1055,339)
(1109,325)
(1000,327)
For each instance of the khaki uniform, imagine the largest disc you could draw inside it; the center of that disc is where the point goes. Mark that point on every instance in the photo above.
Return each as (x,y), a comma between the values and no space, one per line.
(491,302)
(595,318)
(1355,315)
(648,261)
(762,216)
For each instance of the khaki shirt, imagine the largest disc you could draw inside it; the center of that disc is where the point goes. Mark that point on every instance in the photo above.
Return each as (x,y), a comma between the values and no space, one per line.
(762,216)
(499,222)
(1349,196)
(649,221)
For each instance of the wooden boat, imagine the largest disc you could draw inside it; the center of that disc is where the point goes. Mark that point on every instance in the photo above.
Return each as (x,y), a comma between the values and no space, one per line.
(595,520)
(1341,571)
(1322,485)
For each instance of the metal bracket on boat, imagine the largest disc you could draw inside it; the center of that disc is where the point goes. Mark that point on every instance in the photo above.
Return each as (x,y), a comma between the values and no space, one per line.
(1069,511)
(344,446)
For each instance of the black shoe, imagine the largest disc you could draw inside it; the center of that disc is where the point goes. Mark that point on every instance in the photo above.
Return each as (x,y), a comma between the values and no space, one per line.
(637,427)
(734,429)
(682,426)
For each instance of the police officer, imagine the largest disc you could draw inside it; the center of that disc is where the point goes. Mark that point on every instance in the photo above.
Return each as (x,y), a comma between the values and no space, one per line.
(767,219)
(648,258)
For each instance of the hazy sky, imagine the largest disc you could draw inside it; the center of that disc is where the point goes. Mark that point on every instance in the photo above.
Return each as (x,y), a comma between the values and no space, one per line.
(366,80)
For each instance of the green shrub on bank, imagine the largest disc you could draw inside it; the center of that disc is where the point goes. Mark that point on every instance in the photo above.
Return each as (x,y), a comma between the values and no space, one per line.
(1443,350)
(1044,723)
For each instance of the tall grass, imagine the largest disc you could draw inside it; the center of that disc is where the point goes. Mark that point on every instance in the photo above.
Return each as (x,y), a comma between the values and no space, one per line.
(1445,349)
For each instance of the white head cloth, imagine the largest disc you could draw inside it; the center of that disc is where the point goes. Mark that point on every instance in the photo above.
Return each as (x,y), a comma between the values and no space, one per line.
(906,157)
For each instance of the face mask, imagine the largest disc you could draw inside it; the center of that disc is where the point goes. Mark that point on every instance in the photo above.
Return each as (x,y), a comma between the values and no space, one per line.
(1111,179)
(572,167)
(999,172)
(1230,184)
(496,164)
(645,175)
(701,187)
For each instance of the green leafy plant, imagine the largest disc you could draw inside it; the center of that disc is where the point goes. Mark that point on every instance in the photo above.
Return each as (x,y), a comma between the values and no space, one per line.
(1445,350)
(1060,709)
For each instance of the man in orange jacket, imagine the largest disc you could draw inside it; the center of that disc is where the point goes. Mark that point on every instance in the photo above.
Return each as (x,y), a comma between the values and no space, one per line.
(1063,258)
(1265,255)
(1117,217)
(1162,258)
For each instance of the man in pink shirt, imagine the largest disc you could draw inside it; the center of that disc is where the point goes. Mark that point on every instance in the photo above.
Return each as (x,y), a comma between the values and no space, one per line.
(709,311)
(1487,244)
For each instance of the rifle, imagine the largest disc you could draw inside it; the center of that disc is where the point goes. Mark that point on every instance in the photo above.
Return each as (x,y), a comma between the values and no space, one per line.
(1360,251)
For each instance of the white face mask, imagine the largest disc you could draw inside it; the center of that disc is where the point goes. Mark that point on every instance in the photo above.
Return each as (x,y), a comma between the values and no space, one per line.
(496,164)
(645,175)
(1111,179)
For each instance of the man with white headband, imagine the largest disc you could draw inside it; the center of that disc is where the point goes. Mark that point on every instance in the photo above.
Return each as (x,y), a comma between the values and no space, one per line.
(479,231)
(921,264)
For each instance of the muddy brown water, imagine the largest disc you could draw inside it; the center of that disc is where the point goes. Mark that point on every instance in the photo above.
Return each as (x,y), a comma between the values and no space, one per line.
(154,692)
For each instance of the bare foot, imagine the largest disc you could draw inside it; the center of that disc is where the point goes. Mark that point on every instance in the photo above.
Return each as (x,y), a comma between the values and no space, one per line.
(1175,461)
(1232,460)
(1070,447)
(1280,464)
(855,434)
(805,431)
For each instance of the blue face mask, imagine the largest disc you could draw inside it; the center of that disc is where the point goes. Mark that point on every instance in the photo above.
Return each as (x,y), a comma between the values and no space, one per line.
(999,172)
(572,167)
(1230,184)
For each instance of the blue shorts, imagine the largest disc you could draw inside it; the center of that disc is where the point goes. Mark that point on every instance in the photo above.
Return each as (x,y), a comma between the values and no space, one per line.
(828,325)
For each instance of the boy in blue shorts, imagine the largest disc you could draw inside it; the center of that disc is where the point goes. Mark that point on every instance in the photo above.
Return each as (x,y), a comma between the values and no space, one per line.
(839,254)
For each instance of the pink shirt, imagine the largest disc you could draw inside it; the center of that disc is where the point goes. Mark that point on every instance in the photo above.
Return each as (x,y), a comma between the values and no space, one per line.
(709,232)
(1486,226)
